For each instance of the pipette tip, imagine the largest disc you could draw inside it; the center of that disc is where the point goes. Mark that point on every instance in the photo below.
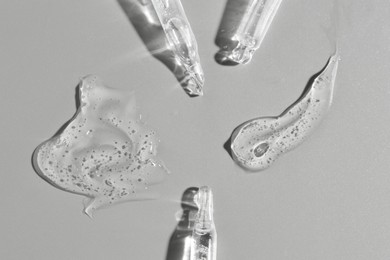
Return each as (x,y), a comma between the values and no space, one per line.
(204,235)
(194,81)
(222,57)
(204,220)
(193,90)
(241,54)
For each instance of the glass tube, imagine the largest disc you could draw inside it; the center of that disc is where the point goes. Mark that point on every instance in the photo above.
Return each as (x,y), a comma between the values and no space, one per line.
(204,235)
(182,41)
(252,29)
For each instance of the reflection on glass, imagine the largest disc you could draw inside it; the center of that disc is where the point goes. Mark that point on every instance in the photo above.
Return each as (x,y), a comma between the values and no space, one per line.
(181,40)
(180,243)
(195,236)
(204,235)
(247,32)
(143,16)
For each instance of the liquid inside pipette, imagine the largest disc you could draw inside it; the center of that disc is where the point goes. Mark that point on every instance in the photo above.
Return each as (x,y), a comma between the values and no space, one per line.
(182,42)
(251,31)
(204,235)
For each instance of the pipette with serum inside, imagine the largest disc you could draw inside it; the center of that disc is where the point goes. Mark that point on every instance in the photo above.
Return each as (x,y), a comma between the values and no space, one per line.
(204,235)
(182,42)
(251,30)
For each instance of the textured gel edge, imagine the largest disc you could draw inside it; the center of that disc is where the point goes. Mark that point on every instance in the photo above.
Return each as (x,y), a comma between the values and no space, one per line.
(287,131)
(89,204)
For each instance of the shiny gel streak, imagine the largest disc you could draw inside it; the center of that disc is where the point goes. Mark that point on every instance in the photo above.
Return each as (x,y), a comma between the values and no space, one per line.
(105,152)
(257,143)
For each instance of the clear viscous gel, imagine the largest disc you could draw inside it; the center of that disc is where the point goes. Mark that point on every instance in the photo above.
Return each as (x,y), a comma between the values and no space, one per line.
(105,152)
(257,143)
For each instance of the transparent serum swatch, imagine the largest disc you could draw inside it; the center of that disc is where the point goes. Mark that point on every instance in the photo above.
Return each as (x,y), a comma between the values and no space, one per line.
(257,143)
(105,152)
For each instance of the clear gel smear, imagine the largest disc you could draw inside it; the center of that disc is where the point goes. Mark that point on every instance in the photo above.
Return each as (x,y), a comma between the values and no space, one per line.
(257,143)
(105,152)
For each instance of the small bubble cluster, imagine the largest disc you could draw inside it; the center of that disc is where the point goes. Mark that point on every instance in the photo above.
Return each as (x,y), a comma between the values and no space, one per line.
(257,143)
(105,153)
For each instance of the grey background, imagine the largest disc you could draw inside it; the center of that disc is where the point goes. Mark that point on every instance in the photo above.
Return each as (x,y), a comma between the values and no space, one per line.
(328,199)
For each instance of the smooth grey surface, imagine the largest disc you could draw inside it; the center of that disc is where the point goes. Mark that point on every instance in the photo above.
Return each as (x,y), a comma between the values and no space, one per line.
(328,199)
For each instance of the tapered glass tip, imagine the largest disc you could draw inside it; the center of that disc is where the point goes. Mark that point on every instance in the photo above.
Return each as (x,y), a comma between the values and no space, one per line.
(204,219)
(194,81)
(222,58)
(241,54)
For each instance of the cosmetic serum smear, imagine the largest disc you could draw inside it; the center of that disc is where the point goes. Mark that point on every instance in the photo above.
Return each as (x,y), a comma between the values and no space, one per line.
(257,143)
(105,152)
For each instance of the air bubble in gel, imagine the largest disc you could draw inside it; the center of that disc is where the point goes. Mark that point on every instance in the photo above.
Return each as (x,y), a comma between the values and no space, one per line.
(257,143)
(105,152)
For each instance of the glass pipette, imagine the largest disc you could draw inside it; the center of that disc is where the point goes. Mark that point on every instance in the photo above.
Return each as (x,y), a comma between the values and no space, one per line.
(204,235)
(182,42)
(252,29)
